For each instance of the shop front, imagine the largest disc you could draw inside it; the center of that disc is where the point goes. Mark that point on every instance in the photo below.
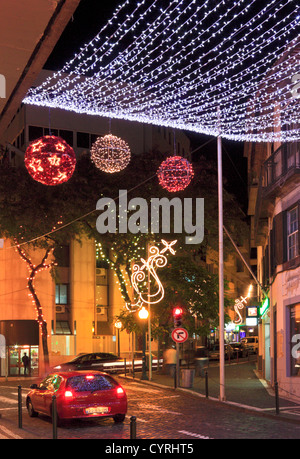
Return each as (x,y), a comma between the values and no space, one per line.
(21,338)
(15,363)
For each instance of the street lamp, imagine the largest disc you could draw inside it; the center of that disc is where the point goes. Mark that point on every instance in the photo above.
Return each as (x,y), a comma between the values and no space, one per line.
(143,314)
(118,326)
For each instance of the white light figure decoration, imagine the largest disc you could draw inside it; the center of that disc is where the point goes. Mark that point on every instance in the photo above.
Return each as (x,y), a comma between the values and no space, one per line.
(156,260)
(239,304)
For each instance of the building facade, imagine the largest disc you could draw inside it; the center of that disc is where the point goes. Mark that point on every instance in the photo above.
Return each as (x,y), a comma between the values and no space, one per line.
(274,198)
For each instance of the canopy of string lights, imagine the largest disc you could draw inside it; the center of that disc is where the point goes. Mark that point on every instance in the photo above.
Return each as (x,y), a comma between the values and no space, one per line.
(229,68)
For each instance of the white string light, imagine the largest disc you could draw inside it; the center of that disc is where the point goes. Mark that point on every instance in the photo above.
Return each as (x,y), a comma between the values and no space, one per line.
(173,63)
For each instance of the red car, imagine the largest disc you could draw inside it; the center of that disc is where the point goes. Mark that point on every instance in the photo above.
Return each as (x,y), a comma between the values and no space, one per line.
(79,394)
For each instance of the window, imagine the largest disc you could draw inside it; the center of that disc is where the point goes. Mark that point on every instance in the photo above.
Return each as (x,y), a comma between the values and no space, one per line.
(295,339)
(94,137)
(95,383)
(292,233)
(56,381)
(61,294)
(62,256)
(63,328)
(83,140)
(67,136)
(50,131)
(34,132)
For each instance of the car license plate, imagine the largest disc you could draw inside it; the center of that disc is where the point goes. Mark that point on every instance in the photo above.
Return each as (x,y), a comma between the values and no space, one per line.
(97,409)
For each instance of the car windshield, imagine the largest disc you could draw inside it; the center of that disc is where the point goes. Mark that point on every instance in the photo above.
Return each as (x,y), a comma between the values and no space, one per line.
(78,357)
(90,383)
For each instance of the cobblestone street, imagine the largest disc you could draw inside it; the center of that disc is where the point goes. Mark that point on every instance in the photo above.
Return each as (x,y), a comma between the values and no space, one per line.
(161,414)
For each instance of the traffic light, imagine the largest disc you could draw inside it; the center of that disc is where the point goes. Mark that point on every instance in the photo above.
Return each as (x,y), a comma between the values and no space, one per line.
(177,315)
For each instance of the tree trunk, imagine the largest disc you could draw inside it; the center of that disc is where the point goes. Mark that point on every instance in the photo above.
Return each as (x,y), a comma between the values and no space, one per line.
(41,321)
(33,269)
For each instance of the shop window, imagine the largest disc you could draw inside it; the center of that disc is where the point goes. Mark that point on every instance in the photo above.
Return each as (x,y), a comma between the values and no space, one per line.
(61,294)
(295,339)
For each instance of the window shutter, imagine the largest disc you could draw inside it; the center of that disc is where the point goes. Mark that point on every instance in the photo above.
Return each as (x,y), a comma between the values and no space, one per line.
(272,250)
(279,238)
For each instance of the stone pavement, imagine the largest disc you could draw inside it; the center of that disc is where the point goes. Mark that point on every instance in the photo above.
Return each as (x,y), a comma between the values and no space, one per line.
(243,389)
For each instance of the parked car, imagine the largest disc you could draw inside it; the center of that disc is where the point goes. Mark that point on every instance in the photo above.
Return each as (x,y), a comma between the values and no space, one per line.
(238,349)
(251,343)
(101,361)
(79,394)
(214,352)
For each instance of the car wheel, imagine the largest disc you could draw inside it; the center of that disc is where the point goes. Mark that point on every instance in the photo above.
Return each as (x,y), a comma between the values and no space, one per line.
(119,417)
(32,413)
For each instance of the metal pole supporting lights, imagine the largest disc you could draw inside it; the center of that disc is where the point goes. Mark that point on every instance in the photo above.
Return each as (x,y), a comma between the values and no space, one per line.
(118,325)
(143,315)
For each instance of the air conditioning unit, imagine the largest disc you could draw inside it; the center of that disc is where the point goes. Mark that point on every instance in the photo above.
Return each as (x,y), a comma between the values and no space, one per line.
(101,272)
(60,309)
(100,309)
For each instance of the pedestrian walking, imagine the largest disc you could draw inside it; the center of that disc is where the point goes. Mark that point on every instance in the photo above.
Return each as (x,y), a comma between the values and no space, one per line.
(170,361)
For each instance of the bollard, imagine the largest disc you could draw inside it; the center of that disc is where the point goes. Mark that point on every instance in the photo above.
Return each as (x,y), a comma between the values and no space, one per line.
(54,417)
(276,397)
(20,406)
(175,377)
(133,373)
(237,356)
(125,368)
(206,384)
(133,428)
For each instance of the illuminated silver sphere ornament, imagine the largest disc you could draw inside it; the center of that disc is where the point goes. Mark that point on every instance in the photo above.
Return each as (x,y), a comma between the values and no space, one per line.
(110,154)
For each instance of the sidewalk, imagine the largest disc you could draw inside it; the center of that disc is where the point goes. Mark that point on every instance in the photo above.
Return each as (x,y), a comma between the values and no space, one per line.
(243,389)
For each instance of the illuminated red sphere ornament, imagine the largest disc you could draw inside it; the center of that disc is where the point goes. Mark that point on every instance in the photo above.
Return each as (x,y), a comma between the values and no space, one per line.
(110,154)
(50,160)
(175,173)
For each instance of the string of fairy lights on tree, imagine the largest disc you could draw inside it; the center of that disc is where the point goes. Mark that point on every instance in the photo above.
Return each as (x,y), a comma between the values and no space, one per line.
(133,252)
(34,269)
(216,67)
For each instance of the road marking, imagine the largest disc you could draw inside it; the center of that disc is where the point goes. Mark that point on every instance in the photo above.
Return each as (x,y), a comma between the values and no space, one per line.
(297,407)
(157,408)
(142,389)
(192,434)
(7,400)
(291,412)
(12,408)
(9,432)
(13,387)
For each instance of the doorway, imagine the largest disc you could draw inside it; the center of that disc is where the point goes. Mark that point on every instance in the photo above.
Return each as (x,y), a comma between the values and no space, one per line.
(15,365)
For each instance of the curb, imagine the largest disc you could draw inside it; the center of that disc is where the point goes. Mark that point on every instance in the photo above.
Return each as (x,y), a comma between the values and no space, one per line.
(237,406)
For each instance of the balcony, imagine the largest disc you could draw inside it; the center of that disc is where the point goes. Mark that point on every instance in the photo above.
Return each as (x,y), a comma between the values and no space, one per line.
(281,169)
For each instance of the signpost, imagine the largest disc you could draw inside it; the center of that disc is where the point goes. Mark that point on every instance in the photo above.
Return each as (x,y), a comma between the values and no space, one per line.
(179,335)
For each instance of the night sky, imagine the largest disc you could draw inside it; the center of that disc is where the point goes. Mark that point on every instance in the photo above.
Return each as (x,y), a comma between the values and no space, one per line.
(88,19)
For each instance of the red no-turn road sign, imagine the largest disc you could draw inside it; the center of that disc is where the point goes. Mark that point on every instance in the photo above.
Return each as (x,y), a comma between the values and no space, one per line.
(179,335)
